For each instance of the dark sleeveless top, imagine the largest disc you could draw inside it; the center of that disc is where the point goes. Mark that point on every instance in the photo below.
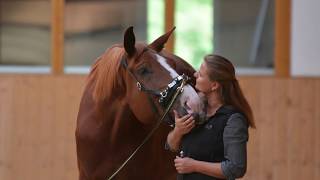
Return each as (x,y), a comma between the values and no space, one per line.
(205,143)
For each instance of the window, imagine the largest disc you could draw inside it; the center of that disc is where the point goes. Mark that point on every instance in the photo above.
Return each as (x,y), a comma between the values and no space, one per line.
(242,31)
(155,19)
(25,34)
(93,26)
(194,35)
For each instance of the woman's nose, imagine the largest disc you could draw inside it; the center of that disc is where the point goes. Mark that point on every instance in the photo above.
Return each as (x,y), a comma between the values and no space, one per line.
(195,74)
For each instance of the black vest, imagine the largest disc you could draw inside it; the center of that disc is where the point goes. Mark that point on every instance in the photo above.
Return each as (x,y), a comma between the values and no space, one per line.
(205,143)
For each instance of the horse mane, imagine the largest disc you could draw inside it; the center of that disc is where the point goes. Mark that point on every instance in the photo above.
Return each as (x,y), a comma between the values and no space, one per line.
(104,73)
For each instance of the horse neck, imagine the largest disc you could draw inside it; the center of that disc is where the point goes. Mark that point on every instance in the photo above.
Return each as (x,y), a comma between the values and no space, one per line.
(114,119)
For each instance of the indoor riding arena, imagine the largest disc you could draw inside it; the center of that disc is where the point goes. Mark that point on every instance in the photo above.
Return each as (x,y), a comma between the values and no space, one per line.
(47,48)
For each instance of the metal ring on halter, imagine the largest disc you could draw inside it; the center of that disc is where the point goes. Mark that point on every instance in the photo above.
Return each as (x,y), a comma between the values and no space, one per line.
(139,86)
(164,94)
(181,89)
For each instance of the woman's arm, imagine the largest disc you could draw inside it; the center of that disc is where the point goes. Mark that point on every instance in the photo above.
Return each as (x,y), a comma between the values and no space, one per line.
(189,165)
(235,137)
(183,125)
(173,140)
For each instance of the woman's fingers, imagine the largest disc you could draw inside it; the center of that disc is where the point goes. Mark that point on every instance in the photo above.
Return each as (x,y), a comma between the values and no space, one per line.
(180,119)
(184,165)
(190,125)
(189,121)
(177,161)
(186,117)
(183,124)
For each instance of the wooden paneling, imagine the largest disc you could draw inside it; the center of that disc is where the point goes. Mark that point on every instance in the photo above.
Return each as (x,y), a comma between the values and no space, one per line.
(38,115)
(37,126)
(285,143)
(316,155)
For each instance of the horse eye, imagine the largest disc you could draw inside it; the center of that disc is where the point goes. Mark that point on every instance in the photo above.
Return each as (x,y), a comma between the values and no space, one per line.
(144,71)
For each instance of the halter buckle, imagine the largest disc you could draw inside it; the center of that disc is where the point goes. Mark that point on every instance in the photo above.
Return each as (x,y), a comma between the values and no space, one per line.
(164,94)
(139,86)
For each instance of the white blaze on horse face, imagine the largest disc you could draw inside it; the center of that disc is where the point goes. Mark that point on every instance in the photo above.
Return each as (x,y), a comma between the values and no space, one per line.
(189,96)
(164,64)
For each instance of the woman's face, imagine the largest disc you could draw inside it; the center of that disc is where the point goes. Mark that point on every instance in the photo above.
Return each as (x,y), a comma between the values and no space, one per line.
(203,83)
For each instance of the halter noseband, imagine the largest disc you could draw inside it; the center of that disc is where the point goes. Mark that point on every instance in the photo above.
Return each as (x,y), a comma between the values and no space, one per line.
(168,92)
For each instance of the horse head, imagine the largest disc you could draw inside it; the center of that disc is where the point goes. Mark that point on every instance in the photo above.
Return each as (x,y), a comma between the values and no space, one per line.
(152,77)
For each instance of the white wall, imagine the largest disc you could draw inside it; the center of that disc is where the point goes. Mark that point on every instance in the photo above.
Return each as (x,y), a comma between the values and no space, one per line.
(305,38)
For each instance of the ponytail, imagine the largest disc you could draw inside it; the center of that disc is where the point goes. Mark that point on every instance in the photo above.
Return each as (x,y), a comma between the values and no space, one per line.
(232,95)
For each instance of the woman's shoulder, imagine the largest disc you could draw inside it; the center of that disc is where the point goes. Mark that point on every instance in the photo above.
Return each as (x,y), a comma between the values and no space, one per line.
(237,119)
(234,116)
(237,126)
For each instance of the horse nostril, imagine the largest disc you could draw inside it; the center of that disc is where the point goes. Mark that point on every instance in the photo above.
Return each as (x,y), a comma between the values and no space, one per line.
(187,106)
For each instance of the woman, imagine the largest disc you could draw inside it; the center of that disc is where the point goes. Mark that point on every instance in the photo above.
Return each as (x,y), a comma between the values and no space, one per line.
(217,148)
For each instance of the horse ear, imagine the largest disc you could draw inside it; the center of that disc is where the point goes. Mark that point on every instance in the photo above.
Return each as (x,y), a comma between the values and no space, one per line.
(158,44)
(129,41)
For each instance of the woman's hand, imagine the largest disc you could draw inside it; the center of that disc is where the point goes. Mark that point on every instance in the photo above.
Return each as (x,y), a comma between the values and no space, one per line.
(184,124)
(184,165)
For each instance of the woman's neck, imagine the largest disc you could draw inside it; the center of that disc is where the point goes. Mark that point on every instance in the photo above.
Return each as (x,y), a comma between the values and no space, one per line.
(214,103)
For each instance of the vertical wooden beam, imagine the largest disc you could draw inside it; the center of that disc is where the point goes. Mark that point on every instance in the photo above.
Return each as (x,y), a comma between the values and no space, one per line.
(282,37)
(57,36)
(169,23)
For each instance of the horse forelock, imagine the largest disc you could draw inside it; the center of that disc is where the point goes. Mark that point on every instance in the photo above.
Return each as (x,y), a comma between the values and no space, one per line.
(105,73)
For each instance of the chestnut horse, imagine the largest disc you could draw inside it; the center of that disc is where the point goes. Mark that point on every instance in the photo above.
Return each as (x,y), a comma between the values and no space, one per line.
(115,116)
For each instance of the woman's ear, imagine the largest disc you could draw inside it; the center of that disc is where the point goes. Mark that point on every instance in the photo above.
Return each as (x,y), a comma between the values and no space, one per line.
(215,86)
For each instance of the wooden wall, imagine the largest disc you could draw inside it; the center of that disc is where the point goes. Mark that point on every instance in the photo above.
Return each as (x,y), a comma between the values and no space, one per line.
(38,114)
(37,123)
